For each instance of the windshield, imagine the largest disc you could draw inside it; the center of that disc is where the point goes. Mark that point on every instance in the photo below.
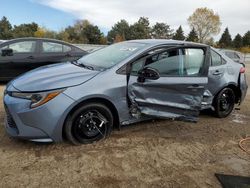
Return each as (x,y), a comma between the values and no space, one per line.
(111,55)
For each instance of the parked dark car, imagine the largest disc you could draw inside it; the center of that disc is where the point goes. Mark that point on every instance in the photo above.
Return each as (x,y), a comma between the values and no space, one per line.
(21,55)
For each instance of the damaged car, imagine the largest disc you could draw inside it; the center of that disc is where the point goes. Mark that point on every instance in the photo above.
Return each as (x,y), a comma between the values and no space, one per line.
(83,101)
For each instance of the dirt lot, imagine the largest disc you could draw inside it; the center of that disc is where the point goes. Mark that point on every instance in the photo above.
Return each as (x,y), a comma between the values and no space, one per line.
(152,154)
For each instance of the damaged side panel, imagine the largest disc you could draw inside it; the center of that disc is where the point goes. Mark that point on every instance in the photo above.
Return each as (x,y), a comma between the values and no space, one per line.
(174,98)
(207,101)
(178,90)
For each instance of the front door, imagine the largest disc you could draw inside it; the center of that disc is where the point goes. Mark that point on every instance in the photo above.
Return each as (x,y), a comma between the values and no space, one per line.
(178,90)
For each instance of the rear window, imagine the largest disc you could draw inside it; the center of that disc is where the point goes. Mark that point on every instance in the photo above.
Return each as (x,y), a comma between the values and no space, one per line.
(52,47)
(66,48)
(229,54)
(216,59)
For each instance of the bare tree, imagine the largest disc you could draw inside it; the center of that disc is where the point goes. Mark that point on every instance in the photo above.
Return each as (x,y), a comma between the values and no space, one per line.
(205,22)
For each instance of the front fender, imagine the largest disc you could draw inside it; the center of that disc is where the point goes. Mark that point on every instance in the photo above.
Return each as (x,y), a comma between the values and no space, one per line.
(58,131)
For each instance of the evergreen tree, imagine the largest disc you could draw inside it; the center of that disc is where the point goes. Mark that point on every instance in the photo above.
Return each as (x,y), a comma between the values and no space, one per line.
(192,36)
(140,29)
(5,29)
(179,34)
(225,40)
(161,31)
(237,42)
(246,39)
(93,34)
(121,29)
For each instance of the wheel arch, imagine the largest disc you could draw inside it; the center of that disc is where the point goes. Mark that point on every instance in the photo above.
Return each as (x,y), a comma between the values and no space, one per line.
(100,100)
(237,92)
(235,88)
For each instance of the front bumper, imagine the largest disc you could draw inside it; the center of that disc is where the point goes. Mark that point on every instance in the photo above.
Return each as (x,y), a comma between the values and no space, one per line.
(43,123)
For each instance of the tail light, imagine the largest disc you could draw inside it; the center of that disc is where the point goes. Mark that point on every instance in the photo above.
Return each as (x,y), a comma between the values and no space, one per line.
(242,70)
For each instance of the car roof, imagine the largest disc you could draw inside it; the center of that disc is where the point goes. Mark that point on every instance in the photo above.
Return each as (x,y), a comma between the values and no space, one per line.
(37,39)
(165,41)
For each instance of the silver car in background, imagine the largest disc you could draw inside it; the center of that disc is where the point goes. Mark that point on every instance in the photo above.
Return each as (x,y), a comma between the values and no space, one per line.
(83,101)
(234,55)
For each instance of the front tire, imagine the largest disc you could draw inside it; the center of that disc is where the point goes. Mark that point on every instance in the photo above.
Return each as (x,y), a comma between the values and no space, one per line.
(224,102)
(89,123)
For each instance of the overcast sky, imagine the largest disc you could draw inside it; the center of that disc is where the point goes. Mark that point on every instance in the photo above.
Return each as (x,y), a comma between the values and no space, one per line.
(233,13)
(57,14)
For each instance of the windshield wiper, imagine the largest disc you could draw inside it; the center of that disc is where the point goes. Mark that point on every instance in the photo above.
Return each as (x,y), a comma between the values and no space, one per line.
(86,66)
(82,65)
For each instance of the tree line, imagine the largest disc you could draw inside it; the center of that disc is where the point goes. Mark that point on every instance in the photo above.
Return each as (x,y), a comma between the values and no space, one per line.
(239,41)
(85,32)
(81,32)
(204,24)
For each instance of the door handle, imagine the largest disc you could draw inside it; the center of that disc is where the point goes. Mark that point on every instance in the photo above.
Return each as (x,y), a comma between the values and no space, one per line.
(30,57)
(195,86)
(217,72)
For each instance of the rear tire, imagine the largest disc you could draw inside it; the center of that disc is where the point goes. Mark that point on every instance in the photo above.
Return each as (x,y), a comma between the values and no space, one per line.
(224,102)
(89,123)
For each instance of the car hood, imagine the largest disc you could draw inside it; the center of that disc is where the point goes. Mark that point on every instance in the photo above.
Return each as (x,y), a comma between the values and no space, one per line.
(53,77)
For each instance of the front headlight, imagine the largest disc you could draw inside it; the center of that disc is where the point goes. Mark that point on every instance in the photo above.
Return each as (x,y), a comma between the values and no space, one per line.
(37,99)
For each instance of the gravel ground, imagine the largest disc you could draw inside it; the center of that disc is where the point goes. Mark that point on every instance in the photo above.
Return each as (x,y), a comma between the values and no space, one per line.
(150,154)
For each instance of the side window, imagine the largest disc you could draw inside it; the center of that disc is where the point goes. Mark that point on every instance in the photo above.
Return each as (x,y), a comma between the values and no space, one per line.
(174,62)
(137,65)
(236,56)
(23,47)
(216,59)
(167,63)
(193,60)
(48,47)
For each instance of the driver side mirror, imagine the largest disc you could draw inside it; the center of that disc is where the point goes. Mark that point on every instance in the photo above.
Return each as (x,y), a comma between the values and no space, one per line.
(7,52)
(148,73)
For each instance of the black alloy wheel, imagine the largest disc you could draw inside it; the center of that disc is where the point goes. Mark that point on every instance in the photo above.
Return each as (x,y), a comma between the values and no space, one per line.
(224,102)
(89,123)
